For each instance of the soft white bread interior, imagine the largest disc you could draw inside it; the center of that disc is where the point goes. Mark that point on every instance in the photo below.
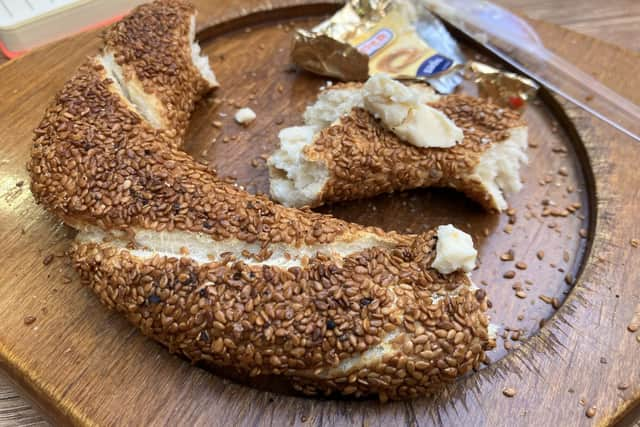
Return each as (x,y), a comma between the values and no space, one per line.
(296,180)
(202,249)
(201,62)
(146,104)
(498,170)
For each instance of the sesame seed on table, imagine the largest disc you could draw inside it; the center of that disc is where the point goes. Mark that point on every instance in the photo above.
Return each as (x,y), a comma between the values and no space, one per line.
(615,21)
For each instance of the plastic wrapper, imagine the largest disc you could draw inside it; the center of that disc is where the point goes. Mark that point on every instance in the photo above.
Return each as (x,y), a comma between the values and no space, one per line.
(505,88)
(398,37)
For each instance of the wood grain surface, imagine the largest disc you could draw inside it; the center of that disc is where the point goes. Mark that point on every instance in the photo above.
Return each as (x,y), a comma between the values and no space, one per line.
(84,364)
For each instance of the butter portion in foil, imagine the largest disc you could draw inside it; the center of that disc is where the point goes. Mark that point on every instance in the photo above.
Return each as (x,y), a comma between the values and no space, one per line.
(400,38)
(504,88)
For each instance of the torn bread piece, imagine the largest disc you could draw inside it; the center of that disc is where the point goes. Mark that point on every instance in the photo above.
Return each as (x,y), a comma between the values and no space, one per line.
(354,155)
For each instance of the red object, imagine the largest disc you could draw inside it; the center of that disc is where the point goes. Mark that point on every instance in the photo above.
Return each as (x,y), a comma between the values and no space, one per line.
(516,102)
(11,54)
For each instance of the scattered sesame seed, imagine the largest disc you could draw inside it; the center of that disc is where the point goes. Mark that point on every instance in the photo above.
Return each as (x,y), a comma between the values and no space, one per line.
(509,274)
(47,260)
(509,391)
(591,412)
(508,256)
(28,320)
(521,265)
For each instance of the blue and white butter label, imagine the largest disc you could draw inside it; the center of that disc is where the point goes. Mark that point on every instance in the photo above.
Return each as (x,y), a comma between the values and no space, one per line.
(434,65)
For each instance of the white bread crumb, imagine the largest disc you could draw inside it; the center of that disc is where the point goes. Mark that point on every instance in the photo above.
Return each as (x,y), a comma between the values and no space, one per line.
(245,115)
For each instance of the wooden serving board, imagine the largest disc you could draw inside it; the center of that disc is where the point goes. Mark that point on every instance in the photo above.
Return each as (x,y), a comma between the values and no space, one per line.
(85,365)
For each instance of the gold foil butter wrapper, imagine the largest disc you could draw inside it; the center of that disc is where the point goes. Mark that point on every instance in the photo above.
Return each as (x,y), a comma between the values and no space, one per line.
(400,38)
(505,88)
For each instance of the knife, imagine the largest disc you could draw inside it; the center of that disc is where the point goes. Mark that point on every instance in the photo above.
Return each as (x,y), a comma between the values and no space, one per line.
(514,41)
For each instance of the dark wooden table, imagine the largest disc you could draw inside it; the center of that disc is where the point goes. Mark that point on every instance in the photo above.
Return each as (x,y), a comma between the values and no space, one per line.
(613,21)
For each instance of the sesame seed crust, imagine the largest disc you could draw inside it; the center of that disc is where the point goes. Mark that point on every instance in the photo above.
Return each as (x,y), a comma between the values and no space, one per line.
(366,159)
(97,163)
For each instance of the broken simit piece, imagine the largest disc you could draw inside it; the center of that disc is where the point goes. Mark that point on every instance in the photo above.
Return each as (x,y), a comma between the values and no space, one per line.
(363,140)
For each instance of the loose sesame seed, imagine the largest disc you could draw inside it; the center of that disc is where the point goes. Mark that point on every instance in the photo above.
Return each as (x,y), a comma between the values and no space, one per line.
(521,265)
(569,279)
(509,391)
(508,256)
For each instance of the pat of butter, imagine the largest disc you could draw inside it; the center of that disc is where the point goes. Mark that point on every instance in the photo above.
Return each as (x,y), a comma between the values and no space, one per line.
(454,251)
(402,109)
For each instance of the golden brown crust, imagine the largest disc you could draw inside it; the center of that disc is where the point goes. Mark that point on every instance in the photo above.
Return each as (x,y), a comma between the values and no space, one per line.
(97,163)
(366,159)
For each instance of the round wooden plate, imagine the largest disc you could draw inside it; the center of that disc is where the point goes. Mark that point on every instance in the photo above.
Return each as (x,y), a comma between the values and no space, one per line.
(557,235)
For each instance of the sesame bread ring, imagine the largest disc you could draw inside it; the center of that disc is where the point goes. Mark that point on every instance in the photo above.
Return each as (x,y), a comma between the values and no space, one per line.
(345,153)
(228,278)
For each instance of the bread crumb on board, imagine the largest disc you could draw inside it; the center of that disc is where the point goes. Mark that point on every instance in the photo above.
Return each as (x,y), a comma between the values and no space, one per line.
(245,116)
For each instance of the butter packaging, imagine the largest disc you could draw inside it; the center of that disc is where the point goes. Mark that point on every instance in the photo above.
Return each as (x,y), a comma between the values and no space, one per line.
(400,38)
(507,89)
